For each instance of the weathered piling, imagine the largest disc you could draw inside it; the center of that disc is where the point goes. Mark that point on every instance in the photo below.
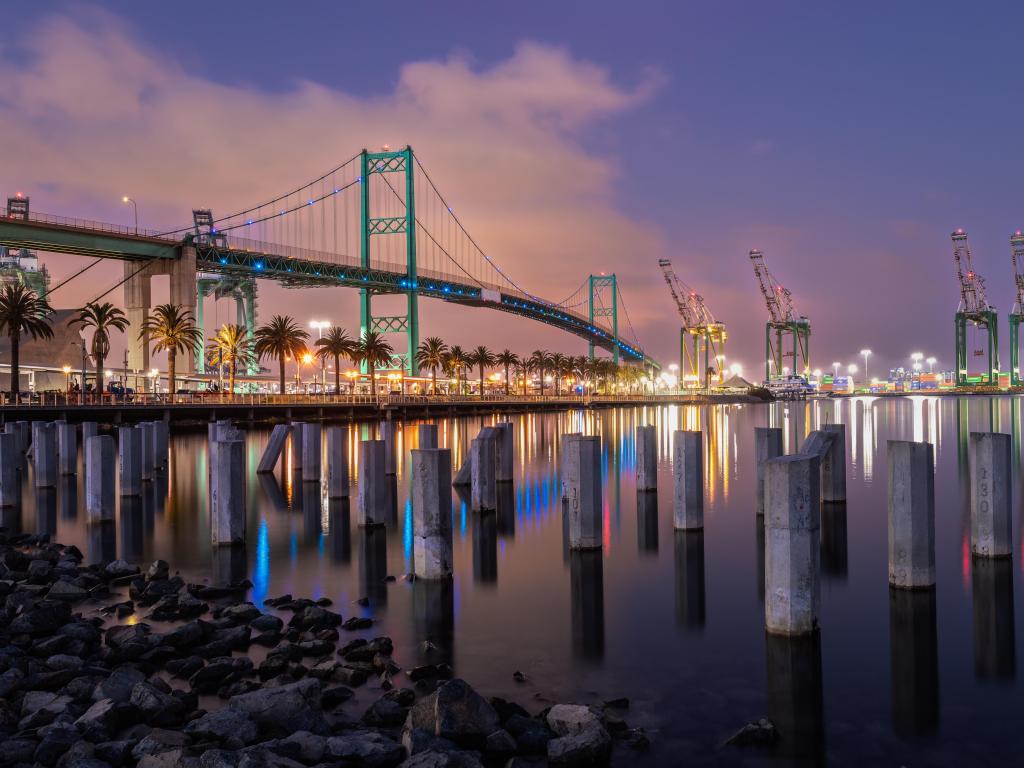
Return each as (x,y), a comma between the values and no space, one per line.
(647,458)
(146,449)
(10,460)
(483,455)
(100,479)
(129,454)
(833,466)
(504,452)
(792,532)
(911,514)
(432,513)
(67,448)
(312,450)
(991,526)
(372,501)
(426,436)
(767,445)
(24,430)
(161,445)
(89,429)
(581,462)
(227,493)
(688,480)
(276,443)
(387,434)
(337,463)
(44,455)
(297,427)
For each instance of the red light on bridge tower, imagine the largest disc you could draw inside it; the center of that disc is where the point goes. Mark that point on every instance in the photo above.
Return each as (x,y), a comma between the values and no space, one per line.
(18,207)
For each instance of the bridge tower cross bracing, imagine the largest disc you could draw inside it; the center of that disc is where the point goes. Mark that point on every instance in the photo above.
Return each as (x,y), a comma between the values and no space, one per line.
(243,291)
(380,163)
(973,310)
(597,307)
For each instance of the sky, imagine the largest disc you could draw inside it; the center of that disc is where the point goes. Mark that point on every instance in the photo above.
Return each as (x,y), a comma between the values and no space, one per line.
(844,140)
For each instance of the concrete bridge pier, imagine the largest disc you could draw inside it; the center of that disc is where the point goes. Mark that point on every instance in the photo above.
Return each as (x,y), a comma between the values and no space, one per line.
(138,301)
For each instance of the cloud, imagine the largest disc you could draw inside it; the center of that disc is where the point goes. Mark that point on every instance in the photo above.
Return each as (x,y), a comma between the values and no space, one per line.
(89,113)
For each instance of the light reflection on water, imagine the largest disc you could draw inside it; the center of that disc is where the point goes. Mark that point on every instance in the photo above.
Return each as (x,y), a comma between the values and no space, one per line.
(671,619)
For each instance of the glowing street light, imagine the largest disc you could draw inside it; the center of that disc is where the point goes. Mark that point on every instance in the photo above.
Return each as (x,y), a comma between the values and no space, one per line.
(135,209)
(319,325)
(835,370)
(931,363)
(865,353)
(67,378)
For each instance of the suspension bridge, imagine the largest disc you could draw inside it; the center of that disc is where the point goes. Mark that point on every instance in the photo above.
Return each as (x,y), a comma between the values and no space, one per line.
(377,223)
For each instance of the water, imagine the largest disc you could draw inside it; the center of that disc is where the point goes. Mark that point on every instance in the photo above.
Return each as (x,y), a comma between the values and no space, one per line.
(672,620)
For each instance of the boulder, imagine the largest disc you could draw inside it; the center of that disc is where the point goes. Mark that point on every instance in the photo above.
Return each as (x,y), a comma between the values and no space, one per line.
(119,685)
(435,759)
(588,747)
(364,748)
(233,729)
(155,706)
(285,709)
(567,719)
(456,712)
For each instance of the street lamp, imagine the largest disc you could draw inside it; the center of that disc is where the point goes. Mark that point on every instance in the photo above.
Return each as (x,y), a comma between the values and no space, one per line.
(67,378)
(931,362)
(865,353)
(307,359)
(835,371)
(319,325)
(135,209)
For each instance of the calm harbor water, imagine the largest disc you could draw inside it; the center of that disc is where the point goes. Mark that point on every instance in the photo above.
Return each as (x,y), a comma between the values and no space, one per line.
(672,620)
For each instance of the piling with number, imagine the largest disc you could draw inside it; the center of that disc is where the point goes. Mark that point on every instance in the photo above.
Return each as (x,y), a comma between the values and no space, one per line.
(581,465)
(991,526)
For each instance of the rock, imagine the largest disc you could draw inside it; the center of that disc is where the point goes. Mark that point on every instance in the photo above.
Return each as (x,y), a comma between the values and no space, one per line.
(301,745)
(185,636)
(157,571)
(760,734)
(119,568)
(285,709)
(168,759)
(456,712)
(184,668)
(385,712)
(19,751)
(531,735)
(119,685)
(636,739)
(357,622)
(351,676)
(267,639)
(218,672)
(64,661)
(233,729)
(101,720)
(436,759)
(116,753)
(55,742)
(567,719)
(39,571)
(315,617)
(266,622)
(364,748)
(158,741)
(241,613)
(500,743)
(65,590)
(43,618)
(259,757)
(587,747)
(219,758)
(155,706)
(518,676)
(41,707)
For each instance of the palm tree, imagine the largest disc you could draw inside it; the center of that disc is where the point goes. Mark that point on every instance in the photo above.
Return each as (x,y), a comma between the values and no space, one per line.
(559,363)
(373,350)
(101,317)
(431,354)
(540,361)
(282,337)
(481,357)
(458,359)
(336,344)
(22,311)
(522,371)
(232,346)
(506,359)
(171,329)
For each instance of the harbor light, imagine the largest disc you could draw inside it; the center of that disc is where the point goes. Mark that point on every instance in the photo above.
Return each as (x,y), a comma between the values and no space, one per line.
(931,364)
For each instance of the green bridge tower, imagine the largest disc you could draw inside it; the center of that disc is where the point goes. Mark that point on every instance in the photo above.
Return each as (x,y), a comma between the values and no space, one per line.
(604,302)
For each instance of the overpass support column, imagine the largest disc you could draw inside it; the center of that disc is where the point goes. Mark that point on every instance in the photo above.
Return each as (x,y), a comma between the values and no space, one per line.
(137,297)
(183,292)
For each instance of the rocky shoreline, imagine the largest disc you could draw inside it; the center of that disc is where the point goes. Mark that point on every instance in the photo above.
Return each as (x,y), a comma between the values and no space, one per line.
(164,678)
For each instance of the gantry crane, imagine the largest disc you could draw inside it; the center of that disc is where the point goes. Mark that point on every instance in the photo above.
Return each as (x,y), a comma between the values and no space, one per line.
(974,309)
(782,322)
(700,336)
(1017,313)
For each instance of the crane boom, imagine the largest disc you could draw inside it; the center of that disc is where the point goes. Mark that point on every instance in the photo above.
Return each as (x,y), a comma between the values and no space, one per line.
(689,310)
(972,285)
(1017,249)
(777,299)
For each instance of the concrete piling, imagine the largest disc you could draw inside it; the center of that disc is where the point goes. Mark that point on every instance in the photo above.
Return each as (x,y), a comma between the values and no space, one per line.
(129,449)
(146,449)
(911,514)
(227,494)
(100,481)
(432,513)
(10,460)
(276,443)
(297,427)
(67,448)
(337,463)
(387,434)
(581,462)
(688,480)
(372,501)
(483,455)
(991,526)
(161,445)
(312,451)
(647,458)
(767,445)
(833,466)
(504,459)
(24,430)
(44,454)
(426,436)
(792,534)
(89,429)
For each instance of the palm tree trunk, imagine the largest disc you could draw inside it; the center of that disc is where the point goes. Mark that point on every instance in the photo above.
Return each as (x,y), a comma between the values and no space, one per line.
(542,381)
(506,381)
(373,378)
(172,354)
(15,366)
(280,372)
(433,380)
(481,379)
(99,374)
(231,377)
(337,374)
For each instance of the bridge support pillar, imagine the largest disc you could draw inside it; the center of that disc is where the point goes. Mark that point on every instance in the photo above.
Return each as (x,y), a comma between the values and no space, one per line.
(183,292)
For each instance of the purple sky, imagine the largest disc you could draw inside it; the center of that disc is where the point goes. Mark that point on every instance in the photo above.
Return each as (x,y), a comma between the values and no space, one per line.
(844,140)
